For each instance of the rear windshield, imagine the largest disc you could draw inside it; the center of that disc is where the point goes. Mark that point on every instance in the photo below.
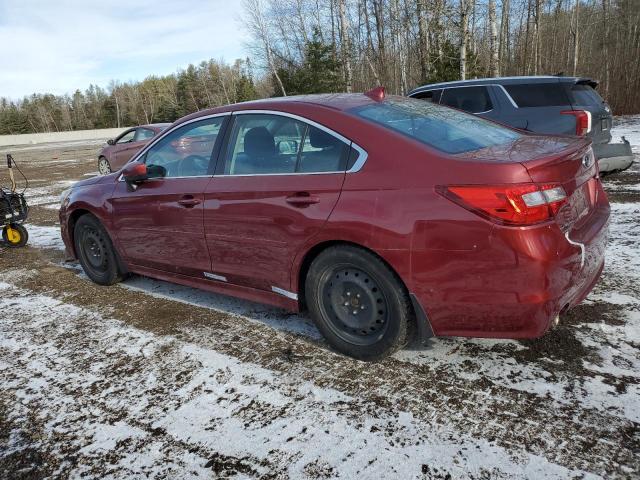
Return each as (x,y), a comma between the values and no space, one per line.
(442,128)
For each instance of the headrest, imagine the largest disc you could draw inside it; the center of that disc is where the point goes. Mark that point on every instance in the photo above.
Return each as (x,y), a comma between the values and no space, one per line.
(259,142)
(321,139)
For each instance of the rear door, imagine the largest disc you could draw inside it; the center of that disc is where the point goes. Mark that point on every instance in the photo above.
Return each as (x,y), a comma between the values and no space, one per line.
(276,184)
(159,224)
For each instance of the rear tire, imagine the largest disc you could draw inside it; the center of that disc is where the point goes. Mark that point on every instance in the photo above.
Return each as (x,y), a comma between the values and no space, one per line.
(358,303)
(95,251)
(15,235)
(104,167)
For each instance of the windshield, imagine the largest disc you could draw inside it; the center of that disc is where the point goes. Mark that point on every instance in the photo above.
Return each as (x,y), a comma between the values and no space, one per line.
(444,129)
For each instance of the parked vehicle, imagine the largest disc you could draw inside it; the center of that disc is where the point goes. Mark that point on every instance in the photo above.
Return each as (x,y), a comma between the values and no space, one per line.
(119,151)
(553,104)
(381,215)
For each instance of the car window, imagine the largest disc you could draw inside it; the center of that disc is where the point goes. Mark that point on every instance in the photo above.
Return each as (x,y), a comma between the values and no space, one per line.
(537,94)
(143,134)
(582,94)
(430,95)
(127,137)
(442,128)
(469,99)
(268,144)
(185,152)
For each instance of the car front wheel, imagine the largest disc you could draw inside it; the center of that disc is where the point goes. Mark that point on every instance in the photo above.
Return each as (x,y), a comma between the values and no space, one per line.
(104,167)
(358,303)
(95,251)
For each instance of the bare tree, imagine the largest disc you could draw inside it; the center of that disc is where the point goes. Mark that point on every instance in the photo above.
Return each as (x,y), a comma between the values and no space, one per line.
(494,59)
(345,46)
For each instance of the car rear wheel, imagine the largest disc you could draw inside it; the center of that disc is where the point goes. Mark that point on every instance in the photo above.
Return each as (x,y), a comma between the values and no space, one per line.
(95,251)
(358,303)
(104,167)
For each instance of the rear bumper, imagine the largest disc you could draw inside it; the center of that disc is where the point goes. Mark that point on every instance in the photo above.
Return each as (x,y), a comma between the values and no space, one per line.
(613,157)
(515,286)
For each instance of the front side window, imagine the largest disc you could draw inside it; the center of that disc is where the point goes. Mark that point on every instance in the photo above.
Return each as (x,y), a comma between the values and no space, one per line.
(127,137)
(444,129)
(469,99)
(272,144)
(143,134)
(185,152)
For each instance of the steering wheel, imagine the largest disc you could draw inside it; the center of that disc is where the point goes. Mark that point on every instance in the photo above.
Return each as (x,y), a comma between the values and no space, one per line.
(193,165)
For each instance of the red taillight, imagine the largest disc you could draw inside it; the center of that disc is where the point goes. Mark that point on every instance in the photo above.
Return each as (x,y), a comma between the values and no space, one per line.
(583,120)
(520,204)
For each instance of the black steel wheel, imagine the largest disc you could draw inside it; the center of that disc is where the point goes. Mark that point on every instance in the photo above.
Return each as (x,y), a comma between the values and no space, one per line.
(358,303)
(95,251)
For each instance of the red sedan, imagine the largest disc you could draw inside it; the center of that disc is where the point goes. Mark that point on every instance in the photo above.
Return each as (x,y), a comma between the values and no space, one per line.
(383,216)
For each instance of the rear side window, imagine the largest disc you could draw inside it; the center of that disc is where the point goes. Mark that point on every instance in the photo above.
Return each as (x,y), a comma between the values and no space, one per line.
(582,94)
(538,94)
(441,128)
(469,99)
(268,144)
(432,96)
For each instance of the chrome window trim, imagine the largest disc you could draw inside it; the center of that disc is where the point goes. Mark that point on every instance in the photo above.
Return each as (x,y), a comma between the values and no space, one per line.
(357,166)
(501,87)
(213,276)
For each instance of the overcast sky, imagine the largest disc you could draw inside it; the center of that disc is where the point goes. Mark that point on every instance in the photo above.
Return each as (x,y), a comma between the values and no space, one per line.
(57,46)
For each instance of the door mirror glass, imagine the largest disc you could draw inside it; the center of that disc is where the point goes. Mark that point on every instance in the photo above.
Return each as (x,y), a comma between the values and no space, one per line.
(135,172)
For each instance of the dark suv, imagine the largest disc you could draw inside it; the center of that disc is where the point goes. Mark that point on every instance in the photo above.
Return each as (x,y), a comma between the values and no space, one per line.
(541,104)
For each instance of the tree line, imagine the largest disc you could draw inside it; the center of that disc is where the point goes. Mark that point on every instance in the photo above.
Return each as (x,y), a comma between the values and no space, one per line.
(155,99)
(313,46)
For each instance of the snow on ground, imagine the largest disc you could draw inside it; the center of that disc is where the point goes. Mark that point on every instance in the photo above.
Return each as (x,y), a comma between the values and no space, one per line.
(205,415)
(255,393)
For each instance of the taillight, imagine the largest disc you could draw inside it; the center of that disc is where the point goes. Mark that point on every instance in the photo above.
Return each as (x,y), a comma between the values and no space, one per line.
(583,120)
(519,204)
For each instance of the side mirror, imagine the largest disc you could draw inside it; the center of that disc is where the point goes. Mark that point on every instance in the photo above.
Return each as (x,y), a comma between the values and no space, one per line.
(111,142)
(134,173)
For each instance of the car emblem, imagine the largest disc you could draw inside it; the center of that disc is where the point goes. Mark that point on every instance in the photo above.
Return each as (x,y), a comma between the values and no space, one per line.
(586,160)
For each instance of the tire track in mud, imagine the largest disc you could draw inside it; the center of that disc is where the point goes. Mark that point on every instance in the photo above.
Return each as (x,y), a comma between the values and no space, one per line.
(565,434)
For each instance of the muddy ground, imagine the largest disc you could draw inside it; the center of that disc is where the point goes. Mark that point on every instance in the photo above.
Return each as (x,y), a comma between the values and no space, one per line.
(152,380)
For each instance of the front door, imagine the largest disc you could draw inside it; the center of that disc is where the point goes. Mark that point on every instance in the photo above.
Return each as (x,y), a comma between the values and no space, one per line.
(275,186)
(159,225)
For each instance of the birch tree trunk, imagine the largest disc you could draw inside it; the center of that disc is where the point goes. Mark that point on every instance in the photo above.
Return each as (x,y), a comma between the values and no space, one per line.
(494,59)
(576,40)
(346,50)
(423,38)
(464,33)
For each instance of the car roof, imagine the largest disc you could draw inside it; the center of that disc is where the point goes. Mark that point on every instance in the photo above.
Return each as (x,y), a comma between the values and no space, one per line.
(507,81)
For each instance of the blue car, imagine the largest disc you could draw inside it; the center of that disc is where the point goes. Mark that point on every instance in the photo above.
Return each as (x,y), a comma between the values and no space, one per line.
(542,104)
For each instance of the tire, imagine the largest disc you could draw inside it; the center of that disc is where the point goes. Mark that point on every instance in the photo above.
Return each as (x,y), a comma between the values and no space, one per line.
(358,303)
(104,167)
(95,251)
(15,235)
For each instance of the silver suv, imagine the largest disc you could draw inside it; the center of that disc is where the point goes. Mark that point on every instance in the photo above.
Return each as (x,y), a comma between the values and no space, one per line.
(541,104)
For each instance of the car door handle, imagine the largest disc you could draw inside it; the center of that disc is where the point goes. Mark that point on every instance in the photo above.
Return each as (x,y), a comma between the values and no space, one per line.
(302,199)
(188,202)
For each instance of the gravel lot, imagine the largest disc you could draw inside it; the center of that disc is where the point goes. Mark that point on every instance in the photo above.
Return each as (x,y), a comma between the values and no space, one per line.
(149,379)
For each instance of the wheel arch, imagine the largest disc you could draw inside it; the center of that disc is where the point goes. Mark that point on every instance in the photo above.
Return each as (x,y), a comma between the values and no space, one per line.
(312,253)
(72,219)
